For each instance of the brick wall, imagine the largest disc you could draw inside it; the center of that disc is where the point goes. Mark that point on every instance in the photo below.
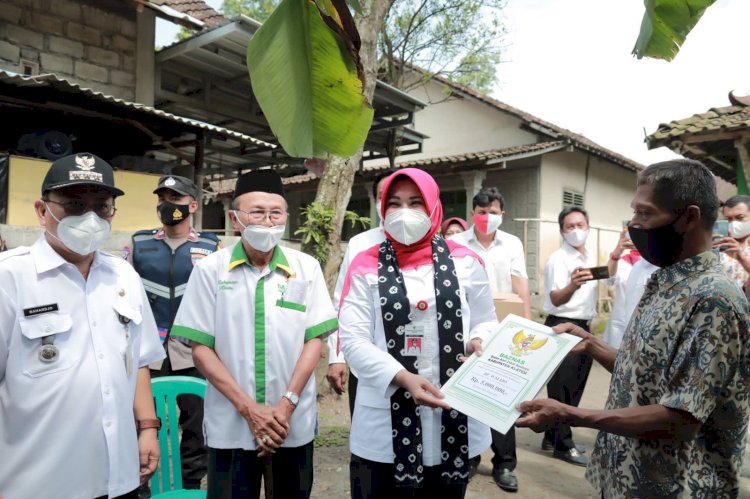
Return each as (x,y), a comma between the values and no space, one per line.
(91,43)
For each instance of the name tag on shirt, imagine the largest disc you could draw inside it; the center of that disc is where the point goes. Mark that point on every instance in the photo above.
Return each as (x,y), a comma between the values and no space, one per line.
(413,340)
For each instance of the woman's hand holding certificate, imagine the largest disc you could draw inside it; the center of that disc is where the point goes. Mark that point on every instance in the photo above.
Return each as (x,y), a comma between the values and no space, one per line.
(514,365)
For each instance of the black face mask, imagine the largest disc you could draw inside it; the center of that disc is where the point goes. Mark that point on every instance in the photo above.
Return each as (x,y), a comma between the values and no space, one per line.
(660,246)
(172,214)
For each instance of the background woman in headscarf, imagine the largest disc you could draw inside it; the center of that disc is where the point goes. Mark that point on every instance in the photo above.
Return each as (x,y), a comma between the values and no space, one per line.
(453,225)
(407,311)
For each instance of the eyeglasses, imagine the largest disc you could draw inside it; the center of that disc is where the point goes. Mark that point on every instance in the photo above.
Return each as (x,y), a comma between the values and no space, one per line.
(77,208)
(259,216)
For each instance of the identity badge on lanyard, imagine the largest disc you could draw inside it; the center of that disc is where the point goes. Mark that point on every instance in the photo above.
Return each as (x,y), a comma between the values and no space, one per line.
(414,340)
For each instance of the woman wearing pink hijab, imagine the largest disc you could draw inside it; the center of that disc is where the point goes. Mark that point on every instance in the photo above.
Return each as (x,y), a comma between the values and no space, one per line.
(411,308)
(452,226)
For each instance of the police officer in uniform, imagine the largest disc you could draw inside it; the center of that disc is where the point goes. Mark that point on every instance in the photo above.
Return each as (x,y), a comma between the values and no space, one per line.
(164,258)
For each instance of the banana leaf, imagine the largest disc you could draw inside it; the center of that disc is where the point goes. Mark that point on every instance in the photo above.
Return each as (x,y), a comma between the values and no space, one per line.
(307,77)
(665,26)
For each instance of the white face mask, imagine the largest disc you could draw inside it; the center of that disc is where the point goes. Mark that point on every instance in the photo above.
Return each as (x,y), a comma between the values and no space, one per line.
(576,237)
(82,234)
(263,238)
(407,226)
(739,228)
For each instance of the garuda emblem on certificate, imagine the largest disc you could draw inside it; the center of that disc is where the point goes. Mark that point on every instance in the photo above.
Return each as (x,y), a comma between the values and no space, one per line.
(524,344)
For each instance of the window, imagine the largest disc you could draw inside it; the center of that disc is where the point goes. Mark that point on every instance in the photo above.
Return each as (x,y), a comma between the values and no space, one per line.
(454,203)
(29,68)
(572,198)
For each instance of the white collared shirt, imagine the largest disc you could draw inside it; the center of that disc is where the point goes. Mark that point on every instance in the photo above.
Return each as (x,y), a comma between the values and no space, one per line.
(557,274)
(626,300)
(364,344)
(257,321)
(67,427)
(502,260)
(357,244)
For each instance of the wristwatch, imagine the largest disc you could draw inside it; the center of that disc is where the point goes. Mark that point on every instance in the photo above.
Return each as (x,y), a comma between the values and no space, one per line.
(292,397)
(144,424)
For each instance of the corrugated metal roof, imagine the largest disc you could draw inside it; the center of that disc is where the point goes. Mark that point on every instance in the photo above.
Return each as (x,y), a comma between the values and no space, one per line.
(226,96)
(53,81)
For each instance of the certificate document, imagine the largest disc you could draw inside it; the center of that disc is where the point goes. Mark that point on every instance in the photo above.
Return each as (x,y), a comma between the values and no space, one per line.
(516,362)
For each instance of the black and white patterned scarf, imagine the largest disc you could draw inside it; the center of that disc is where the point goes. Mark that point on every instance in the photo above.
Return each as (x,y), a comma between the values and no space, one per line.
(396,313)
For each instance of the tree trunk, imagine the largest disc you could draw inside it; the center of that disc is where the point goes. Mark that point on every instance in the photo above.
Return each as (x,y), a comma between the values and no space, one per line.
(335,187)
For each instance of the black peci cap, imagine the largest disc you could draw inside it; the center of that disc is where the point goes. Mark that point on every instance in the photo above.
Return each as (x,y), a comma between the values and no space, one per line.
(80,169)
(259,181)
(181,185)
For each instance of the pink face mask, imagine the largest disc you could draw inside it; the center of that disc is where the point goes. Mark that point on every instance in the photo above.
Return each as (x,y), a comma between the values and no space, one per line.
(487,223)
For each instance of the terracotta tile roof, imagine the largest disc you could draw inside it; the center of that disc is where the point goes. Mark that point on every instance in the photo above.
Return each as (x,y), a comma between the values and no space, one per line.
(719,119)
(456,160)
(506,153)
(197,9)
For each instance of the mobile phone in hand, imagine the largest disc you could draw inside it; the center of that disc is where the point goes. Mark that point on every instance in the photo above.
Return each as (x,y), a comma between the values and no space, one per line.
(721,228)
(599,272)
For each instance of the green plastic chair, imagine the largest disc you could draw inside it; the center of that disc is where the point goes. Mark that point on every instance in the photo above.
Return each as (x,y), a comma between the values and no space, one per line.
(167,481)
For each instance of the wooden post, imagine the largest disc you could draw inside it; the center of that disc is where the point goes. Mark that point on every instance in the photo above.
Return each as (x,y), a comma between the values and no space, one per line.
(144,56)
(200,147)
(743,159)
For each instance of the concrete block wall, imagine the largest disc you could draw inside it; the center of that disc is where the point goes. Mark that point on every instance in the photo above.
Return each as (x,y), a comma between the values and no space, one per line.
(520,189)
(91,43)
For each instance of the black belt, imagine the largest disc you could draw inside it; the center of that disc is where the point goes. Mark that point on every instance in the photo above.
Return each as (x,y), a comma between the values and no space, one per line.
(577,322)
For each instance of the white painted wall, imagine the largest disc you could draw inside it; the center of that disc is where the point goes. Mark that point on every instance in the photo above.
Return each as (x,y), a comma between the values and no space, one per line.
(461,125)
(608,190)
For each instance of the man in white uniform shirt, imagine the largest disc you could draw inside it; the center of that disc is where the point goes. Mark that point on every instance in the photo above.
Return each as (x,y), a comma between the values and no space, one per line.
(77,417)
(337,376)
(505,263)
(631,273)
(256,315)
(569,296)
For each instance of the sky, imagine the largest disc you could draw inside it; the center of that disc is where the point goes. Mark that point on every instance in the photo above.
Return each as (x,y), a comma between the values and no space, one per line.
(569,62)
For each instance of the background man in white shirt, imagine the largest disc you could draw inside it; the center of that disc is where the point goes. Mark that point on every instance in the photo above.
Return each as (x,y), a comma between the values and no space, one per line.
(630,274)
(505,263)
(570,296)
(735,249)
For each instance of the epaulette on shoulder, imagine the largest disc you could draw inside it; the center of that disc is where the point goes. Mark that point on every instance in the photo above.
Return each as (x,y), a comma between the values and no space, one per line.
(208,235)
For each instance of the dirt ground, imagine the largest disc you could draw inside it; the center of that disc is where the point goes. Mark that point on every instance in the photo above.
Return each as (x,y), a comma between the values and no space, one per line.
(539,474)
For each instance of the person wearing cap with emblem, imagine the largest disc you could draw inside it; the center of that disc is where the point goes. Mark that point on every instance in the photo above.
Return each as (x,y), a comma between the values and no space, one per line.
(257,315)
(164,258)
(77,416)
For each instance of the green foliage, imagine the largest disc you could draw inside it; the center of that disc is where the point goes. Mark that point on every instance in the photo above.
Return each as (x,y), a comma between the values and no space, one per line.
(461,40)
(307,83)
(260,10)
(184,33)
(665,26)
(318,224)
